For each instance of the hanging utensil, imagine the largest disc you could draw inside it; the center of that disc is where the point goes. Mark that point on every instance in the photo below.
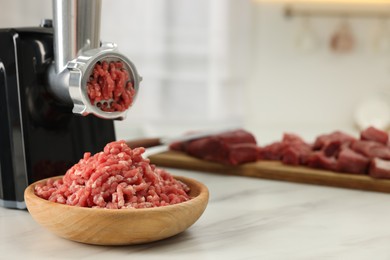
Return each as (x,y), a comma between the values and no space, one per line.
(306,38)
(342,40)
(381,37)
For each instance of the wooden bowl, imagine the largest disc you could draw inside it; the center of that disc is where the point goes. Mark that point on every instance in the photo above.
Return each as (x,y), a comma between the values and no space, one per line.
(117,226)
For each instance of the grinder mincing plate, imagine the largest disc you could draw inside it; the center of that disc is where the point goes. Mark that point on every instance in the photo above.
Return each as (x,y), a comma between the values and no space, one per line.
(47,118)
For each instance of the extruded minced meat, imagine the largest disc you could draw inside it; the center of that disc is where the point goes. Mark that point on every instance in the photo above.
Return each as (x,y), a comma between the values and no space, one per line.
(109,87)
(118,177)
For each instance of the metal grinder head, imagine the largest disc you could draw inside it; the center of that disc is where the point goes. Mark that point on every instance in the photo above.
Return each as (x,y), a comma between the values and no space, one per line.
(77,50)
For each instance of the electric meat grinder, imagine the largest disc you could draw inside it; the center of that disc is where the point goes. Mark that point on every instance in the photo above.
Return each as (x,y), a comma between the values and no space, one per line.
(47,118)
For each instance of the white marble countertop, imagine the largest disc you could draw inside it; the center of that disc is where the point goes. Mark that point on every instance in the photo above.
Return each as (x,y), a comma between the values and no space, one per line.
(246,218)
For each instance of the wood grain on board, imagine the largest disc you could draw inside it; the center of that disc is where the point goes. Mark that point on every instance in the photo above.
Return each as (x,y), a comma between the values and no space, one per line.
(274,170)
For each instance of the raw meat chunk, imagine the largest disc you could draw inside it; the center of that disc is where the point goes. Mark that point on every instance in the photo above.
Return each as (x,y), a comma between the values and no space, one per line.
(352,162)
(242,153)
(323,141)
(332,148)
(379,168)
(292,156)
(319,160)
(296,151)
(374,134)
(271,152)
(371,149)
(231,148)
(336,151)
(291,150)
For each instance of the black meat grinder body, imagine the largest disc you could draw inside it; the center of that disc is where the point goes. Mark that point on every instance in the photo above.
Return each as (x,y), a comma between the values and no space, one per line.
(39,136)
(48,120)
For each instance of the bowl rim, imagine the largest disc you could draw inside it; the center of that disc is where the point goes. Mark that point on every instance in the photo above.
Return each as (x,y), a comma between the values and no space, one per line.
(203,195)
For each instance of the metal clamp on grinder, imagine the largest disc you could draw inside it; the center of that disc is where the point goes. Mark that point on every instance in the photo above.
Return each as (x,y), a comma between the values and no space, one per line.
(60,90)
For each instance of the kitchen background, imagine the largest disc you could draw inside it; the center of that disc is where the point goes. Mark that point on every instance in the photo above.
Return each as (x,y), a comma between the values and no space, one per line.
(227,63)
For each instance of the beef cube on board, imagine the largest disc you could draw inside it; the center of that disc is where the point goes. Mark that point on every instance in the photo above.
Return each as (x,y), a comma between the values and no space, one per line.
(350,161)
(319,160)
(324,140)
(271,151)
(374,134)
(291,150)
(231,148)
(371,149)
(379,168)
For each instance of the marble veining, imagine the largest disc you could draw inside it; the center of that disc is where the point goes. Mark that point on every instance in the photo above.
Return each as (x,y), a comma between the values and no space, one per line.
(246,218)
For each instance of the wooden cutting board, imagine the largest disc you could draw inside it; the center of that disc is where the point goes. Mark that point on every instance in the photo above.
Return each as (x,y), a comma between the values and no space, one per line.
(274,170)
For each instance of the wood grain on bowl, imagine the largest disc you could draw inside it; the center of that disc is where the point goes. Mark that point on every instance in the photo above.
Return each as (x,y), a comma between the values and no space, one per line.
(118,226)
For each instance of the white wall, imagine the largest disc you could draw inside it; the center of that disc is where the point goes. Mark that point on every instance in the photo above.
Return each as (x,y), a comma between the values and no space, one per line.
(19,13)
(187,52)
(309,92)
(224,63)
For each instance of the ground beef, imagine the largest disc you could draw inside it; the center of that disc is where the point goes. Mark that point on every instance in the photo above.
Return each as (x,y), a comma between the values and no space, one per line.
(118,177)
(109,87)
